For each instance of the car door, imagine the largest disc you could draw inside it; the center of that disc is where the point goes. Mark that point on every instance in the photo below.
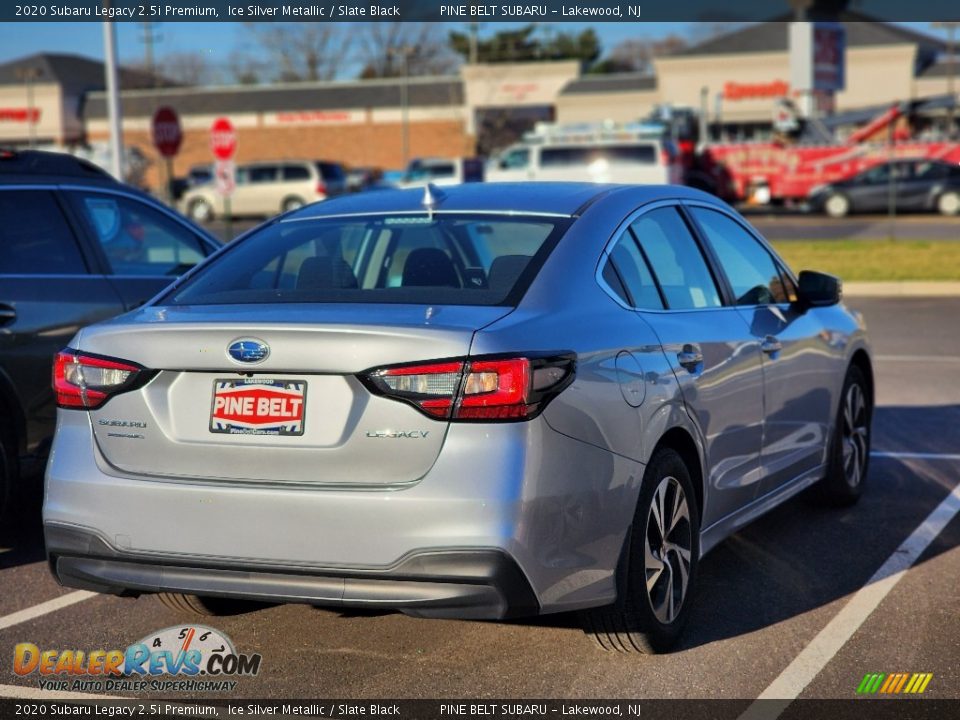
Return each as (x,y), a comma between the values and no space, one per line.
(797,373)
(870,191)
(713,355)
(49,288)
(922,181)
(143,247)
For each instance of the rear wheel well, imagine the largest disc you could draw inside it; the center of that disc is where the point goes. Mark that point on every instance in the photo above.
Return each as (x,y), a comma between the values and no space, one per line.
(680,440)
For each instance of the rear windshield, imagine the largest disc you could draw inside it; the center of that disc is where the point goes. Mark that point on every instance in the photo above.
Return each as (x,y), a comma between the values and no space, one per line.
(614,154)
(443,260)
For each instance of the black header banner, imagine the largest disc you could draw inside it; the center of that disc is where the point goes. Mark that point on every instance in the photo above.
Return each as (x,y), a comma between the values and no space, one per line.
(489,709)
(594,11)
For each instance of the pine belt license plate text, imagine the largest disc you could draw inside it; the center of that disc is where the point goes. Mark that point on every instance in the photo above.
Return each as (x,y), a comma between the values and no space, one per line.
(252,406)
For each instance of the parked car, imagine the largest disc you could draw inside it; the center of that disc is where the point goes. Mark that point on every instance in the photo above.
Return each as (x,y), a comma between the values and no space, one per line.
(267,188)
(441,172)
(919,185)
(480,402)
(595,154)
(75,247)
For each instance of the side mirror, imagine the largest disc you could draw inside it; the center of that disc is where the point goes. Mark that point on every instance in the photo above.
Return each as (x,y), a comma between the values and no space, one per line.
(817,289)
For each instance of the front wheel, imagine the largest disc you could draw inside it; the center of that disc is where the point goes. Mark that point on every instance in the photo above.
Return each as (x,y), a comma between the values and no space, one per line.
(837,206)
(653,602)
(849,452)
(949,204)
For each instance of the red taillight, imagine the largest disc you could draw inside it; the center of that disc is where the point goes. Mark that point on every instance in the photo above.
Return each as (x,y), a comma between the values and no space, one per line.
(481,389)
(321,188)
(87,381)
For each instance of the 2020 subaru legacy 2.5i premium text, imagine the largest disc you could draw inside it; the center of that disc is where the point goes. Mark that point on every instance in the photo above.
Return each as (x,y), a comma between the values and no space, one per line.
(484,401)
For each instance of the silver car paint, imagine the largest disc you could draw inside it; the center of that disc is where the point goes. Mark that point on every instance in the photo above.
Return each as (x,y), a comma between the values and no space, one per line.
(556,493)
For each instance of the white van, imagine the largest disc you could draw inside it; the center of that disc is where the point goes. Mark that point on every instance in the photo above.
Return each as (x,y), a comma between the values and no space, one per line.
(441,171)
(635,154)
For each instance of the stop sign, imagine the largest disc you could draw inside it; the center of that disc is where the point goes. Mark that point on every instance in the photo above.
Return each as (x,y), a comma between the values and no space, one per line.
(223,140)
(166,131)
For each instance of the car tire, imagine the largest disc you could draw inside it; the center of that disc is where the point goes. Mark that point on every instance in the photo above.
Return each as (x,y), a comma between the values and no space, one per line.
(837,205)
(650,613)
(197,606)
(199,210)
(292,203)
(7,470)
(949,204)
(849,452)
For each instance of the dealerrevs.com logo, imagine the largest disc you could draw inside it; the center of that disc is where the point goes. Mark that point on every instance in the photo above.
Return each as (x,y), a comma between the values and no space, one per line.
(191,658)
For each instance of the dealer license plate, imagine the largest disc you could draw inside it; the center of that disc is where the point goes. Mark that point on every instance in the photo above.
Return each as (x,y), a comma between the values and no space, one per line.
(251,406)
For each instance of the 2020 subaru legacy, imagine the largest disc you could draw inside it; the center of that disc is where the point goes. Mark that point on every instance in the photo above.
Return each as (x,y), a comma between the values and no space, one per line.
(479,401)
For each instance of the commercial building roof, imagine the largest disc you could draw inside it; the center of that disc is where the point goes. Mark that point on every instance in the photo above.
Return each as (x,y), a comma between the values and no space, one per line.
(73,71)
(619,82)
(862,31)
(430,91)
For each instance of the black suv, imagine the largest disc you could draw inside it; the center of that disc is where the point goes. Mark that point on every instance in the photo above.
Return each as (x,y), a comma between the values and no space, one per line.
(76,246)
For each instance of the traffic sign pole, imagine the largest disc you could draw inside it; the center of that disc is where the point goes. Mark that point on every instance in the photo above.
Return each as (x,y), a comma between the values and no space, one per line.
(167,137)
(223,143)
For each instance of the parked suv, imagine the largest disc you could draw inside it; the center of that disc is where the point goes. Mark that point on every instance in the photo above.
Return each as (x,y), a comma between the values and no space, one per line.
(268,188)
(76,247)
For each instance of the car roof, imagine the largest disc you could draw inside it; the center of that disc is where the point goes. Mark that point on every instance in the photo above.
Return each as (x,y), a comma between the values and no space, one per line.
(535,198)
(38,166)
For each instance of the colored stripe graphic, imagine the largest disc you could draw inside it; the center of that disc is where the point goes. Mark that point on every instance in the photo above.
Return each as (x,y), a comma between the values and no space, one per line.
(894,683)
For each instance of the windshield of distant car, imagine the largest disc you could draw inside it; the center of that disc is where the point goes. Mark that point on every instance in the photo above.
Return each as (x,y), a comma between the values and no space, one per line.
(448,259)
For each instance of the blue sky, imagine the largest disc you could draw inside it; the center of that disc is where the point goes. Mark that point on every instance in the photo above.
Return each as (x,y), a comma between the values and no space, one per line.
(219,40)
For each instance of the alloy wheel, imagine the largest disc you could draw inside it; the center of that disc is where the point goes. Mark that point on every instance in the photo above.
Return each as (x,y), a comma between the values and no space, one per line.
(667,550)
(855,435)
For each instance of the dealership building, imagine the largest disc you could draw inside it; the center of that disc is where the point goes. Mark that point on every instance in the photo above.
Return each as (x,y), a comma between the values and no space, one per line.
(736,78)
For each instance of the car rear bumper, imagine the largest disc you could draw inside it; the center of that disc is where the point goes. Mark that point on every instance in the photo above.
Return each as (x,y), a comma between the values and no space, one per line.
(556,508)
(471,584)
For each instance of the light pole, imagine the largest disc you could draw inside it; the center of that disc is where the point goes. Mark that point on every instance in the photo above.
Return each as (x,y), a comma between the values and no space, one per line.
(113,97)
(29,75)
(951,28)
(404,52)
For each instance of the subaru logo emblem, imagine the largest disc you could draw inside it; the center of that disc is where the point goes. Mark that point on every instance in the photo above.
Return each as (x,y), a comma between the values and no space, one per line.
(248,350)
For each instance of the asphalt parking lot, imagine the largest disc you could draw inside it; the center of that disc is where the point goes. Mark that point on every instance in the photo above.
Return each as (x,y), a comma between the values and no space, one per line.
(788,586)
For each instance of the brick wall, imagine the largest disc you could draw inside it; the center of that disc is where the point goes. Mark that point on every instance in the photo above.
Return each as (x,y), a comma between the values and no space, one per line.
(361,144)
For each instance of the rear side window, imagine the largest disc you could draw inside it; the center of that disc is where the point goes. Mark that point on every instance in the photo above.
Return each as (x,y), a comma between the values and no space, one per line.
(136,238)
(444,260)
(295,172)
(35,237)
(632,275)
(676,260)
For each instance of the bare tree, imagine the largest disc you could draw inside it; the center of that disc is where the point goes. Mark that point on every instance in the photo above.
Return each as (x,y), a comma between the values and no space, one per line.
(246,69)
(636,55)
(302,51)
(188,68)
(383,47)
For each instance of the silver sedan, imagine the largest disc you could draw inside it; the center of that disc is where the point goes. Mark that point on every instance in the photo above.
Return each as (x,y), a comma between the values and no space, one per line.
(479,401)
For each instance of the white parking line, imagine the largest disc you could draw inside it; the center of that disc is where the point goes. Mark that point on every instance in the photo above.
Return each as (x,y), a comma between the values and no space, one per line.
(916,358)
(814,657)
(915,455)
(22,616)
(31,693)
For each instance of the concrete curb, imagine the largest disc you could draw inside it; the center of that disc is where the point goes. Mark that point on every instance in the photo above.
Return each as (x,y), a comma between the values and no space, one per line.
(907,288)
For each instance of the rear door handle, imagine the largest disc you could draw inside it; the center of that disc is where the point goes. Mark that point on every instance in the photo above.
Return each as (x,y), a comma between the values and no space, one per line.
(690,358)
(7,314)
(771,345)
